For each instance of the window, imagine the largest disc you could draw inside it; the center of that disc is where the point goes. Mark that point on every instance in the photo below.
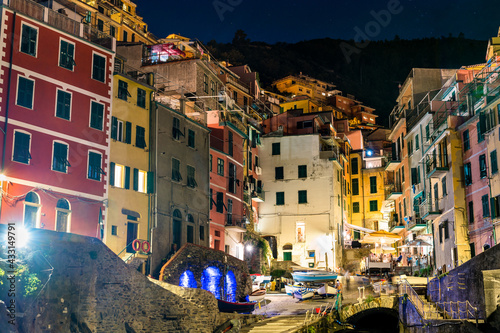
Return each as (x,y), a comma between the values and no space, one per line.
(373,184)
(140,137)
(202,232)
(31,210)
(410,147)
(114,230)
(486,205)
(119,175)
(60,157)
(176,132)
(117,130)
(232,178)
(466,140)
(212,88)
(230,143)
(94,167)
(373,206)
(21,147)
(278,173)
(302,171)
(355,207)
(191,138)
(482,165)
(220,167)
(98,68)
(141,98)
(205,83)
(354,166)
(62,215)
(112,31)
(287,256)
(402,174)
(427,132)
(63,105)
(443,185)
(494,162)
(415,176)
(191,181)
(276,148)
(467,174)
(125,35)
(250,160)
(235,96)
(280,198)
(25,89)
(471,212)
(66,55)
(417,144)
(96,115)
(480,136)
(220,202)
(355,186)
(28,40)
(404,207)
(302,197)
(210,162)
(140,181)
(123,90)
(100,25)
(176,170)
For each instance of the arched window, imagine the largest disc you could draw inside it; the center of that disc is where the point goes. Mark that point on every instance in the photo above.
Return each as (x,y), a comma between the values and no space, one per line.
(62,215)
(287,252)
(190,229)
(177,228)
(31,210)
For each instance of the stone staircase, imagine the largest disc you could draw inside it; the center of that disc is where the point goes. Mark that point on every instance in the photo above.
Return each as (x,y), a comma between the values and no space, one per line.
(430,309)
(276,324)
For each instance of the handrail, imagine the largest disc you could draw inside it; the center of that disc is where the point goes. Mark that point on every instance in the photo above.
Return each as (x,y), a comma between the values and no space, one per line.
(470,312)
(406,289)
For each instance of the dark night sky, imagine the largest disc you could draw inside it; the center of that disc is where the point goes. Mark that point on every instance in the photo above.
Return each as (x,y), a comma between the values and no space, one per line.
(292,21)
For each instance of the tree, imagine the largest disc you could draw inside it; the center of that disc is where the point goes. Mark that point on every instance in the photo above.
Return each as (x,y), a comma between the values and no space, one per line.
(240,38)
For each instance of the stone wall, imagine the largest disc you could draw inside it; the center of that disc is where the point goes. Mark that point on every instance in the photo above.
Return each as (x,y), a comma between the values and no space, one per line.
(466,282)
(90,289)
(197,258)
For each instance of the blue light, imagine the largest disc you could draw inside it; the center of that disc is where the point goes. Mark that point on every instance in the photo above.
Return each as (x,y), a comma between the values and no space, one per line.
(211,280)
(230,287)
(187,280)
(369,153)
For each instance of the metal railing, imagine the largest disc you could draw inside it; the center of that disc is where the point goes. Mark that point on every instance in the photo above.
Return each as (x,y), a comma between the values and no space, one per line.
(426,207)
(436,161)
(233,220)
(406,290)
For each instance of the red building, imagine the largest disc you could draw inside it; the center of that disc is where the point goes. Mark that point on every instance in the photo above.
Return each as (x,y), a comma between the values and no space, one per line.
(226,181)
(55,90)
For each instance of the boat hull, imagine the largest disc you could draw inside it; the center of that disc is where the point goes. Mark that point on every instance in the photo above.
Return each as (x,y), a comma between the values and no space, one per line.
(303,294)
(239,307)
(327,291)
(313,276)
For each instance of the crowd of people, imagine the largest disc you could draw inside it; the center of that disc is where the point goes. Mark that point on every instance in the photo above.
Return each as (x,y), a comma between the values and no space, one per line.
(404,259)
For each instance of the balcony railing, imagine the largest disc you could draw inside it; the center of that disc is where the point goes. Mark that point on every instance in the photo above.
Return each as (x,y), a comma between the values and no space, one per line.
(393,191)
(59,21)
(258,195)
(233,220)
(429,210)
(436,165)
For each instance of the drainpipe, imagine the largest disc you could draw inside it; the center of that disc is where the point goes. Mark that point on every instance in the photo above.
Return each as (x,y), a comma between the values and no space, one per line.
(7,101)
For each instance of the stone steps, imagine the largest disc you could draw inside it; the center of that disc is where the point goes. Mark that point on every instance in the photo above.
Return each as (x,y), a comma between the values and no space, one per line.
(275,324)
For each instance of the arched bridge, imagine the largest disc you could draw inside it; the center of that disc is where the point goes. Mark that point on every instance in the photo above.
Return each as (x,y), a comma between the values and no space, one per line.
(355,313)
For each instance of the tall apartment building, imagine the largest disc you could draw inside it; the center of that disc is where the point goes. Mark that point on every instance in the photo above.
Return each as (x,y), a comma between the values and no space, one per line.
(55,117)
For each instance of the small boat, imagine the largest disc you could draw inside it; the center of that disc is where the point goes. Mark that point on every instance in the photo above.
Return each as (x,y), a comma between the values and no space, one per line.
(314,276)
(258,279)
(257,295)
(327,291)
(239,307)
(304,293)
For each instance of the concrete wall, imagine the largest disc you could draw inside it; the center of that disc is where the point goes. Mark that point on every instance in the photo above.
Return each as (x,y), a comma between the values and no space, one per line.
(92,288)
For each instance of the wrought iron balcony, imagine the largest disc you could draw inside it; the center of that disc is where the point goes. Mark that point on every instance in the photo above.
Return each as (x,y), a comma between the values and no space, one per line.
(416,223)
(236,222)
(429,210)
(258,195)
(436,165)
(393,191)
(395,226)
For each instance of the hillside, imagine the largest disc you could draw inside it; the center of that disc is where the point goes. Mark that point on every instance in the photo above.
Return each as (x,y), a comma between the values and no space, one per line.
(373,73)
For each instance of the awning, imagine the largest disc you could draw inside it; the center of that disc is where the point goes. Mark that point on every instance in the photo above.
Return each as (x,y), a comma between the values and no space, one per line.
(352,226)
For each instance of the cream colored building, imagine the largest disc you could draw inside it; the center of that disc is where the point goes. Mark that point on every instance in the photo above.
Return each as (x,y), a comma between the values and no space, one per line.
(303,185)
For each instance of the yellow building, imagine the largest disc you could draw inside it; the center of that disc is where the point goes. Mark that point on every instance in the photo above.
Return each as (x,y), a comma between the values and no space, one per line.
(130,182)
(306,105)
(303,85)
(117,18)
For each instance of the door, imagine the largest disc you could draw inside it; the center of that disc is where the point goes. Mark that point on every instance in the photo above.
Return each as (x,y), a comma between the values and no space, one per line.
(436,197)
(131,235)
(30,214)
(62,221)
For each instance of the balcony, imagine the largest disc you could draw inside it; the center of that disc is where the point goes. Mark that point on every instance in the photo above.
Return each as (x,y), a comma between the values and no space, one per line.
(258,195)
(395,226)
(436,165)
(393,163)
(393,191)
(429,211)
(236,223)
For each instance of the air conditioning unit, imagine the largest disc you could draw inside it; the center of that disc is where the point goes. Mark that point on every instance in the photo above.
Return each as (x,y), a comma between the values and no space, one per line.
(258,171)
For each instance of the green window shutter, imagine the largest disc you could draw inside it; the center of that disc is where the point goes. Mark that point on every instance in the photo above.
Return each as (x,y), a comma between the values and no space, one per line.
(114,127)
(127,177)
(136,179)
(112,173)
(128,132)
(151,182)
